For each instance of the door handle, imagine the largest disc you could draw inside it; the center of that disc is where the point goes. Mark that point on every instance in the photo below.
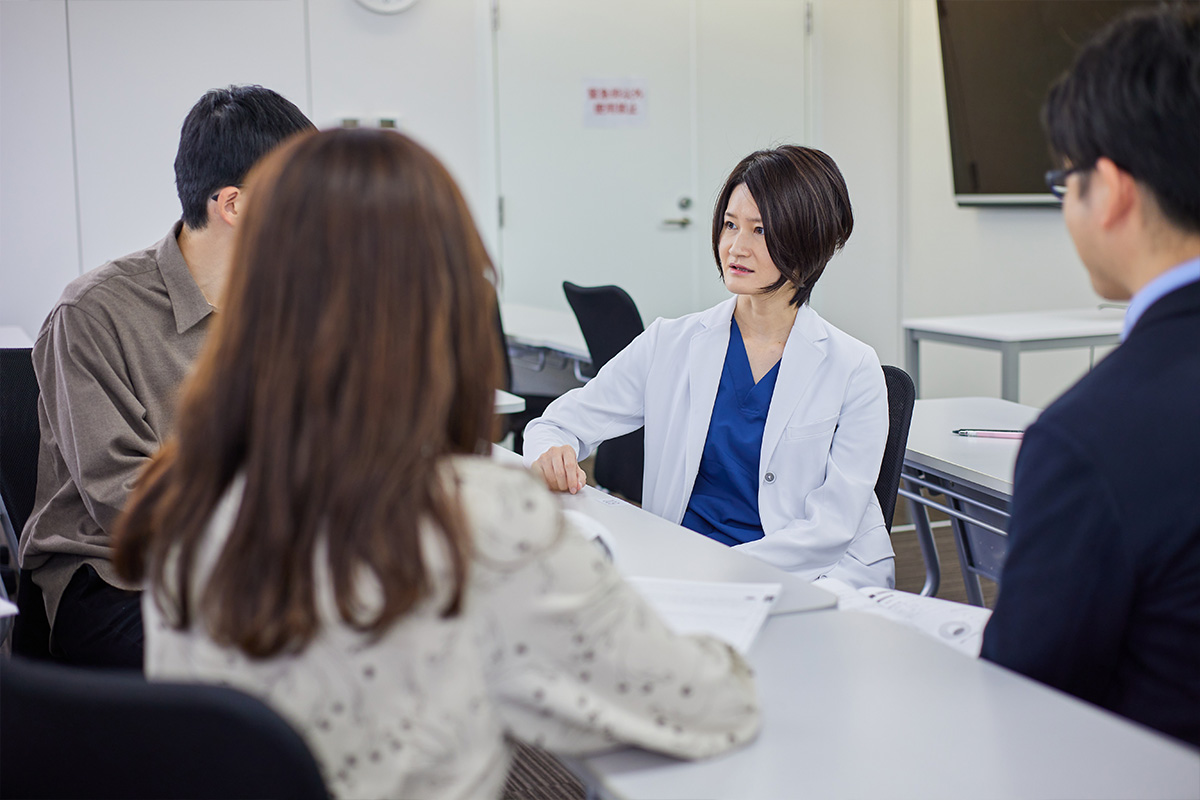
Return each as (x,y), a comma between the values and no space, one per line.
(682,222)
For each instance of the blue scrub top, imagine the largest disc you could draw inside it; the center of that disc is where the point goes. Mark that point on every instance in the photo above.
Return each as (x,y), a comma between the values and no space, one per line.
(724,502)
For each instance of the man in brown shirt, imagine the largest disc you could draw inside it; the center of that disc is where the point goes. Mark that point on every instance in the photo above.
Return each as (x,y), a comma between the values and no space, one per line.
(109,360)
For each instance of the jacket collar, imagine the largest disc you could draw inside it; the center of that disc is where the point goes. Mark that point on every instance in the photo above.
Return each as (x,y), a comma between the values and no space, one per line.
(706,359)
(1182,301)
(805,350)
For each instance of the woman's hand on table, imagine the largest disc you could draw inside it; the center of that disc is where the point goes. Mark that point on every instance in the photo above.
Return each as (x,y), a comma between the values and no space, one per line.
(560,470)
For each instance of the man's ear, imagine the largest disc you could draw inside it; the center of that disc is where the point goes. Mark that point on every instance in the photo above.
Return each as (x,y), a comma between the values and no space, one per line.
(1115,193)
(227,206)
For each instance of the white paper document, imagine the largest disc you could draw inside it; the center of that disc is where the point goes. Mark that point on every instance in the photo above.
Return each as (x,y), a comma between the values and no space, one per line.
(732,612)
(956,624)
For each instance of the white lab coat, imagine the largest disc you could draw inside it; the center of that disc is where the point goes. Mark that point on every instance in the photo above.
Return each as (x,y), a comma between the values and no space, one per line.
(822,444)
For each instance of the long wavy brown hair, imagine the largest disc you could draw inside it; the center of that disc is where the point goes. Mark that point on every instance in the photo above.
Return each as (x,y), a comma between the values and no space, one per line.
(357,348)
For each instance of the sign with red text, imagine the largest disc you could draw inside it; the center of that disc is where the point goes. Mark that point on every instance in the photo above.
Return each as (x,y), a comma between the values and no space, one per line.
(614,103)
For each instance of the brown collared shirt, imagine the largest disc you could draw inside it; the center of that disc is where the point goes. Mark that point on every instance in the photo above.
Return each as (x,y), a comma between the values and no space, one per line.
(109,360)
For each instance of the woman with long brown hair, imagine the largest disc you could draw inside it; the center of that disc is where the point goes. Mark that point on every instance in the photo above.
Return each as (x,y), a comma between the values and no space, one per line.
(320,533)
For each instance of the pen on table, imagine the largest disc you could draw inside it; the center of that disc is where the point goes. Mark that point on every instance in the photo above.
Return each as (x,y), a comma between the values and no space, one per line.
(989,433)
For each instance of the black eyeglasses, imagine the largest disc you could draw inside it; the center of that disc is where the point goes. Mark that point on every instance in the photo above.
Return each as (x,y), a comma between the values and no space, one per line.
(218,194)
(1056,180)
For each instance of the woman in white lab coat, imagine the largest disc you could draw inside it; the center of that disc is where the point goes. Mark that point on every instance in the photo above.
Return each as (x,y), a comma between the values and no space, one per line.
(765,425)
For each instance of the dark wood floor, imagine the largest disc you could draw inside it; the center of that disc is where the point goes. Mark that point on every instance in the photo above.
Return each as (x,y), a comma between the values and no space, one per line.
(910,567)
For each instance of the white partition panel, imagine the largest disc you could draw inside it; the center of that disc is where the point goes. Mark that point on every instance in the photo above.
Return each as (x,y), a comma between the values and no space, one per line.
(428,69)
(137,68)
(39,248)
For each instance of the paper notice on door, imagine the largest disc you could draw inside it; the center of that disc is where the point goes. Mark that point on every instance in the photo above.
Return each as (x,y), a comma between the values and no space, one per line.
(732,612)
(614,103)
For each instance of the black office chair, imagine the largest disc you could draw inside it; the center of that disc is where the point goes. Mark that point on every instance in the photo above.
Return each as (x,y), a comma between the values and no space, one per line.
(610,320)
(71,732)
(19,441)
(535,404)
(901,396)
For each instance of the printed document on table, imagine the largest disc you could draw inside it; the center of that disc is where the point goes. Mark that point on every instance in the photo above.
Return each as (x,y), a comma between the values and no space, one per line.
(732,612)
(956,624)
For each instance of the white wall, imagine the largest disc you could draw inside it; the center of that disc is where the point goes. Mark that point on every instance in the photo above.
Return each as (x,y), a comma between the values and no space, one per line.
(133,68)
(98,89)
(430,68)
(856,119)
(39,243)
(973,260)
(136,70)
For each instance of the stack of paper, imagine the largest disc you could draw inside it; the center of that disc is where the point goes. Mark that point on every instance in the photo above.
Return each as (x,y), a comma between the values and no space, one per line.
(956,624)
(732,612)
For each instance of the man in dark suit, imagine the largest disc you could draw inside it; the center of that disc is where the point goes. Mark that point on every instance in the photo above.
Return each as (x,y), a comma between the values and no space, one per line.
(1100,595)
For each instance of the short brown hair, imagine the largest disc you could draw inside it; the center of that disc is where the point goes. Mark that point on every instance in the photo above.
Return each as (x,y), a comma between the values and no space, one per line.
(357,349)
(805,211)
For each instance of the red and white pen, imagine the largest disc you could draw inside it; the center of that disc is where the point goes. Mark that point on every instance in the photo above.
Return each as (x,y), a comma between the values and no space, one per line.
(990,433)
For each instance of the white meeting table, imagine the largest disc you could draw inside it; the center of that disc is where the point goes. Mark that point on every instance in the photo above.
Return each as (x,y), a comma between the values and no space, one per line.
(509,403)
(975,476)
(1013,334)
(988,463)
(544,328)
(856,706)
(647,546)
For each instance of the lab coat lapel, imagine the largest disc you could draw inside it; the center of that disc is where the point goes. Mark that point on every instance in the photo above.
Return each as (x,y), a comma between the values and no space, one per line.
(802,354)
(706,359)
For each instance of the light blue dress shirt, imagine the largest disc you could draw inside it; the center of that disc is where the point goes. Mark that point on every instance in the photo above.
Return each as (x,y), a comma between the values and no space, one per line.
(1155,290)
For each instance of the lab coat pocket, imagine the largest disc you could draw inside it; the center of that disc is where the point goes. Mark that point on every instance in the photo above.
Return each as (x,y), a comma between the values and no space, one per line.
(811,430)
(871,547)
(805,450)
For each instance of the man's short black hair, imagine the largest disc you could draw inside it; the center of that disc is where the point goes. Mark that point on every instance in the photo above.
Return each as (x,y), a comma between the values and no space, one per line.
(1133,96)
(225,133)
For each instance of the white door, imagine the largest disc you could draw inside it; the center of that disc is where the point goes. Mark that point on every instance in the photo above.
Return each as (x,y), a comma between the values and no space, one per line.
(595,198)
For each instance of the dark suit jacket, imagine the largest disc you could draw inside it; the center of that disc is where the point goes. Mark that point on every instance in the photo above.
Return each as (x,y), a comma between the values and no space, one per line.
(1100,595)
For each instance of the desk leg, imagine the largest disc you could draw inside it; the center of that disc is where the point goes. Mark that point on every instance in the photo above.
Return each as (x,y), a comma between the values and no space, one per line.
(929,554)
(912,359)
(970,579)
(1010,371)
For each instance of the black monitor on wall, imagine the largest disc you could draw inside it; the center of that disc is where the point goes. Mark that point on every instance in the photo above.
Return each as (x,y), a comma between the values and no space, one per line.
(999,57)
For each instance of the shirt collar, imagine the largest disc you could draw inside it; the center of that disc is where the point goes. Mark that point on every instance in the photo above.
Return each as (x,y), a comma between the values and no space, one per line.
(187,301)
(1174,278)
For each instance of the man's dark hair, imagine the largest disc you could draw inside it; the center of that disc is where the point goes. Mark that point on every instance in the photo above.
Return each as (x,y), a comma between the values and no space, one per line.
(225,133)
(805,209)
(1133,96)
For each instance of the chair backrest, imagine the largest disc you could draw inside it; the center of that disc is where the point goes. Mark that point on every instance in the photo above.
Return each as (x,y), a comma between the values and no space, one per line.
(19,434)
(71,732)
(608,318)
(901,396)
(19,442)
(505,360)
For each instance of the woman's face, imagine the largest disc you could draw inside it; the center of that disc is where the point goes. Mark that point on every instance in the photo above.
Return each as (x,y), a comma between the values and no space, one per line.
(745,263)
